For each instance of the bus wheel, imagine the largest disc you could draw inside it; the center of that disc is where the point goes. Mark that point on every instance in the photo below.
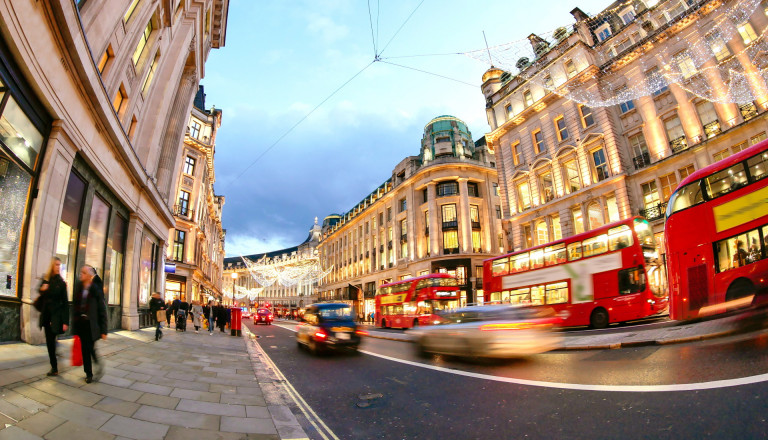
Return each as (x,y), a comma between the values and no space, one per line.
(599,318)
(739,289)
(383,323)
(415,322)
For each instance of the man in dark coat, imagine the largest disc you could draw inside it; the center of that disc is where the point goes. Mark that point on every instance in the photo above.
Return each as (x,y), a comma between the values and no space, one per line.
(89,318)
(156,304)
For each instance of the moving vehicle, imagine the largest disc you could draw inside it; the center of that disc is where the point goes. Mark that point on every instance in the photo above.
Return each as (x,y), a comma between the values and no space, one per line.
(593,278)
(262,316)
(498,331)
(715,234)
(413,302)
(328,326)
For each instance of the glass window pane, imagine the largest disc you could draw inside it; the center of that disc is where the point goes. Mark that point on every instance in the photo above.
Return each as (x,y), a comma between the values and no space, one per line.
(518,263)
(97,235)
(619,237)
(595,245)
(19,134)
(500,267)
(685,197)
(557,293)
(725,181)
(14,187)
(758,165)
(574,251)
(116,257)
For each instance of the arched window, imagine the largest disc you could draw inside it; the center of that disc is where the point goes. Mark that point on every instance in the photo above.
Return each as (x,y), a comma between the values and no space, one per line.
(595,216)
(542,232)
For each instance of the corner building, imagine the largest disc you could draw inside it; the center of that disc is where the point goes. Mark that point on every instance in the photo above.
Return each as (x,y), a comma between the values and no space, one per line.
(438,212)
(565,167)
(96,96)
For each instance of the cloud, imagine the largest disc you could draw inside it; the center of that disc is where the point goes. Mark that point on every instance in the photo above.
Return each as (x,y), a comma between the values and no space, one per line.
(326,28)
(238,244)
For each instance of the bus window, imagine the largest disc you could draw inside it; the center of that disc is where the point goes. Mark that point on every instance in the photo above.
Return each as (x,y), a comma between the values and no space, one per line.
(505,296)
(557,293)
(410,308)
(725,181)
(595,245)
(554,254)
(758,166)
(518,263)
(738,251)
(537,295)
(496,297)
(644,233)
(685,197)
(424,308)
(631,280)
(619,237)
(537,259)
(500,267)
(574,251)
(520,296)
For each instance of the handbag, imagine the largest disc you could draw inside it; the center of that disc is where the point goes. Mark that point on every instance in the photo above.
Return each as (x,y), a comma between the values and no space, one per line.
(77,352)
(38,304)
(161,316)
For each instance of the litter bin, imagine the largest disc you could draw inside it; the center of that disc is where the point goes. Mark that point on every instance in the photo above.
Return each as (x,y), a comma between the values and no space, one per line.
(234,328)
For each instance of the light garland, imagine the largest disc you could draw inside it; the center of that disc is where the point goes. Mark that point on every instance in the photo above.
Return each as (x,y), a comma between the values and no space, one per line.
(287,272)
(739,77)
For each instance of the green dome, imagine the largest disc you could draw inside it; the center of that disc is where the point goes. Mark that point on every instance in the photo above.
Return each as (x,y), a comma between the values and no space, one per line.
(446,123)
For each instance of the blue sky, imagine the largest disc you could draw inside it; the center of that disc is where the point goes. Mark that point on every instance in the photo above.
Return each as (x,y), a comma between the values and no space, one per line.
(282,58)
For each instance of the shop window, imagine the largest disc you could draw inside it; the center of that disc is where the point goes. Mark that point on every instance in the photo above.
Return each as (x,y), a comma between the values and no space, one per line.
(114,277)
(97,234)
(18,133)
(69,229)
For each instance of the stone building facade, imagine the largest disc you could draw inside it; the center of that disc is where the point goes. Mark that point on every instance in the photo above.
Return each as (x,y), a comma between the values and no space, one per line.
(97,95)
(565,167)
(438,212)
(196,244)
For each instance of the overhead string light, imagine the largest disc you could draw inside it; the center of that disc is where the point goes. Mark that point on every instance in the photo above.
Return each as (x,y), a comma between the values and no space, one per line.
(288,272)
(702,64)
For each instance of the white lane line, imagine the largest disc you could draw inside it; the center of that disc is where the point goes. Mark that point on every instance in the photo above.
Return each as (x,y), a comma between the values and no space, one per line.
(585,387)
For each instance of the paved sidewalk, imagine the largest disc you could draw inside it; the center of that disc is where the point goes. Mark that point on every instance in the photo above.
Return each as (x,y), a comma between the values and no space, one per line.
(186,386)
(673,334)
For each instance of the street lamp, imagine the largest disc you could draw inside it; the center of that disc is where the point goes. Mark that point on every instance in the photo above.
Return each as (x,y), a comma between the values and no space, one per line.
(234,280)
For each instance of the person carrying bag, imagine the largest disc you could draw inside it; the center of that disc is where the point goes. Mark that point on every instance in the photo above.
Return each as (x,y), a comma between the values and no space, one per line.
(157,310)
(53,307)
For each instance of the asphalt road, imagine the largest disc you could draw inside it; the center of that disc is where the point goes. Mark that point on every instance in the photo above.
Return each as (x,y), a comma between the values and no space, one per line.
(555,395)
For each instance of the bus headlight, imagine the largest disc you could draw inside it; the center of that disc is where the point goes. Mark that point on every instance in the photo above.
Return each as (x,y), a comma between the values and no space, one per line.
(650,301)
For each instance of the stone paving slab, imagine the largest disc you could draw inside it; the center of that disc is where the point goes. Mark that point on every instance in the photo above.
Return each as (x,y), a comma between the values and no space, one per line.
(117,406)
(41,423)
(135,429)
(178,418)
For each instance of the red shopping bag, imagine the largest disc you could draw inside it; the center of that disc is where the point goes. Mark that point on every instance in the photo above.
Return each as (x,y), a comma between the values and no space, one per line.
(77,353)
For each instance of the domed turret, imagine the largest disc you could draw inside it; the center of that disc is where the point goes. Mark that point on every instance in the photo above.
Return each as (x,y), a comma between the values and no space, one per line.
(446,136)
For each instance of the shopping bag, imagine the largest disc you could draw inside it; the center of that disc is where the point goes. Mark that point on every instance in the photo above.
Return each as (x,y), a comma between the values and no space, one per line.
(161,316)
(77,352)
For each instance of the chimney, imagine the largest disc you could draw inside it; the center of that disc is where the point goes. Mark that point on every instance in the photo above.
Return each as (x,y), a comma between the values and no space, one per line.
(582,27)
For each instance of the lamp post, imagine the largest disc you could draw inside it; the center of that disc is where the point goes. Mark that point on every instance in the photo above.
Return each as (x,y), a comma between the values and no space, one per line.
(234,280)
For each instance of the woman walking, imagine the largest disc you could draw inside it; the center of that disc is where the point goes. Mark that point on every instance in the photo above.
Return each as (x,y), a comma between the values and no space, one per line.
(197,315)
(54,313)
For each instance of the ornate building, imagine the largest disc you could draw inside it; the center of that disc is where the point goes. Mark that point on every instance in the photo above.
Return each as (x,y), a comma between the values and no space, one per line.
(196,245)
(438,212)
(96,98)
(284,279)
(611,115)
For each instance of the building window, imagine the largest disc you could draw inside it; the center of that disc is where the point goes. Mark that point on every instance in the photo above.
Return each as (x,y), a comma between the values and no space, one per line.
(445,189)
(675,134)
(668,184)
(451,242)
(523,196)
(527,98)
(604,34)
(150,75)
(509,110)
(547,187)
(628,16)
(189,166)
(600,170)
(449,216)
(561,129)
(183,207)
(538,141)
(381,218)
(472,189)
(650,194)
(570,69)
(612,208)
(477,241)
(495,189)
(578,220)
(747,32)
(557,233)
(571,176)
(403,238)
(474,216)
(498,211)
(106,59)
(595,216)
(542,232)
(627,106)
(548,83)
(656,82)
(178,245)
(587,120)
(685,172)
(120,100)
(527,236)
(142,44)
(389,214)
(641,157)
(718,46)
(424,195)
(517,154)
(195,129)
(757,139)
(720,155)
(403,204)
(685,64)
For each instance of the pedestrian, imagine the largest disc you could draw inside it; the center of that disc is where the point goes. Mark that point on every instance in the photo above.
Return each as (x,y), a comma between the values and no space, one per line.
(221,316)
(175,310)
(156,307)
(372,317)
(197,315)
(229,317)
(211,316)
(54,313)
(168,312)
(89,319)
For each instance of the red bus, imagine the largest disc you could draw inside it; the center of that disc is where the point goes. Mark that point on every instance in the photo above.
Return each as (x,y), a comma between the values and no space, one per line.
(415,301)
(593,278)
(716,232)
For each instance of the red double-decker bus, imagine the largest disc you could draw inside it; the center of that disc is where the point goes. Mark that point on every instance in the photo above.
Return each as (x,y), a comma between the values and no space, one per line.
(415,301)
(716,235)
(593,278)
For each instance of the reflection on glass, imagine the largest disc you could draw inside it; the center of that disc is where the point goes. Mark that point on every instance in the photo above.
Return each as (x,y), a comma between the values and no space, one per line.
(19,134)
(97,235)
(14,186)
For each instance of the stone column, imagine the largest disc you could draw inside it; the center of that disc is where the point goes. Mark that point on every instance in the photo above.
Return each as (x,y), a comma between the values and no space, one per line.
(434,216)
(130,315)
(174,131)
(465,225)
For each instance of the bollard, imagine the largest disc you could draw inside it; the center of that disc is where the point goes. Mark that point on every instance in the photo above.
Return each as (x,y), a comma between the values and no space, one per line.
(236,320)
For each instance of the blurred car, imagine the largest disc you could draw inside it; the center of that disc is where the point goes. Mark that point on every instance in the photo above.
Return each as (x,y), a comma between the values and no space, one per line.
(328,326)
(498,331)
(262,316)
(246,314)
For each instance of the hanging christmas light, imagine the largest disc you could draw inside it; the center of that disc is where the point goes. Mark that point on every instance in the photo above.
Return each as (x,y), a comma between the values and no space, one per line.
(287,272)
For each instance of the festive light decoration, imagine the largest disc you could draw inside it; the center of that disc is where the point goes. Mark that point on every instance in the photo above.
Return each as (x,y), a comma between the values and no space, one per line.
(242,293)
(288,272)
(670,42)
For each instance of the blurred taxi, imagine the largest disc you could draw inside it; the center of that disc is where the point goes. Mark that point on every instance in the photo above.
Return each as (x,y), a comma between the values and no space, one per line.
(262,316)
(328,326)
(498,331)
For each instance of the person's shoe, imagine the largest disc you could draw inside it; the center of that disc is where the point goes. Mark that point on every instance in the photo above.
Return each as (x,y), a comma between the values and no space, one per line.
(161,335)
(196,331)
(99,371)
(52,373)
(88,379)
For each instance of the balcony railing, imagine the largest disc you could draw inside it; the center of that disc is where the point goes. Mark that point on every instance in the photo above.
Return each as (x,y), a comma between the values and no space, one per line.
(748,111)
(451,225)
(642,160)
(712,129)
(450,251)
(678,144)
(654,212)
(475,225)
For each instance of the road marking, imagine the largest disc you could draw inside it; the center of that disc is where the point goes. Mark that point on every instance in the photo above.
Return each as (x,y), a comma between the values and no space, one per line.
(585,387)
